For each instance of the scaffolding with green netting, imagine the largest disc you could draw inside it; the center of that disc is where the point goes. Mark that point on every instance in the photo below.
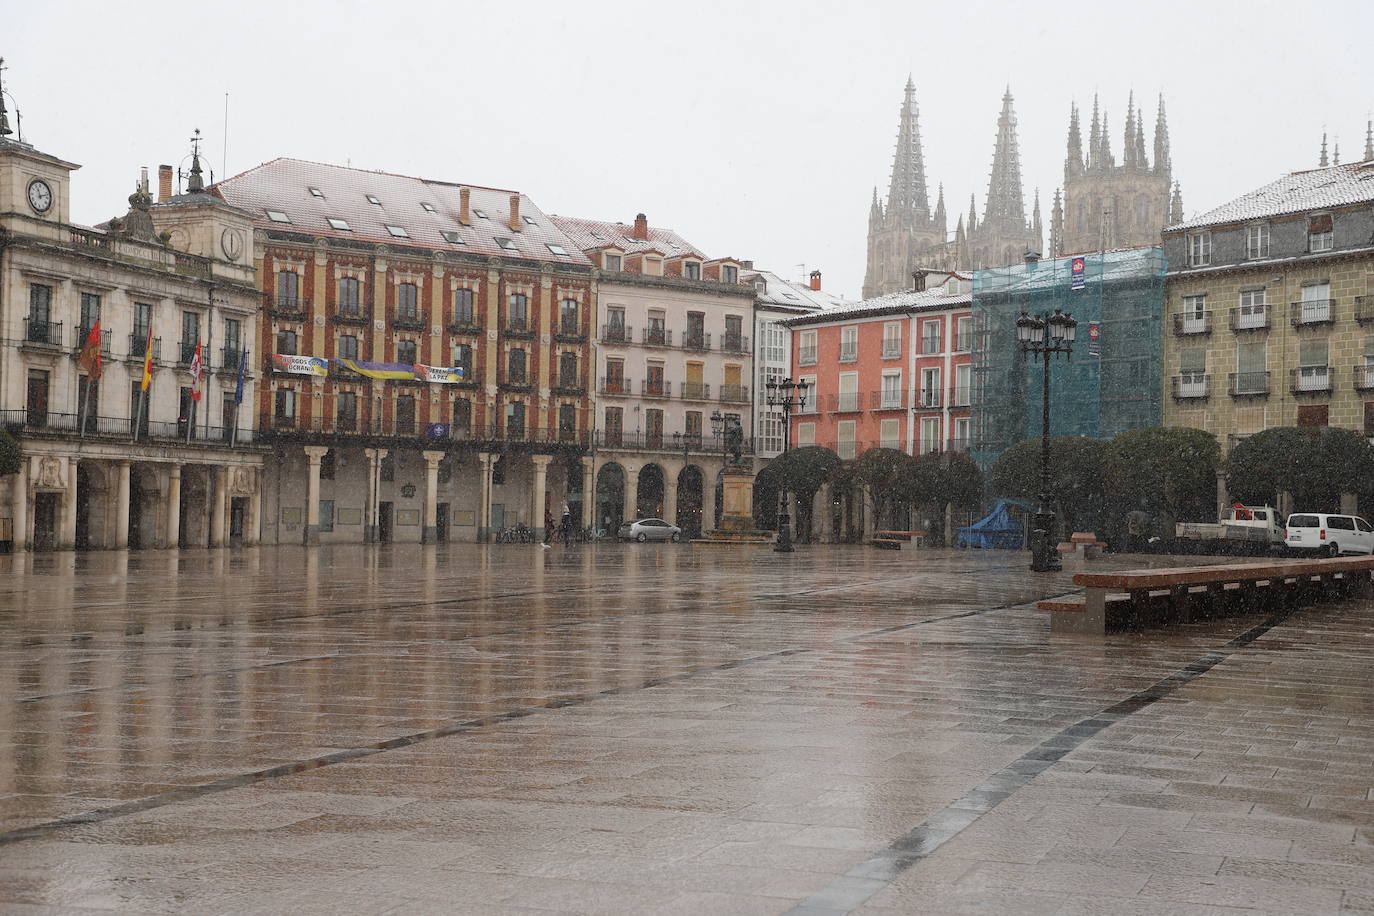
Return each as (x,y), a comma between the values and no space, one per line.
(1112,382)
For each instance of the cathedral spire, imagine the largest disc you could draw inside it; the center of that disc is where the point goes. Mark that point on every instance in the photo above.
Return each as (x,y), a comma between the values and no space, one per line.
(1176,206)
(875,209)
(963,258)
(1322,162)
(1368,140)
(1163,165)
(1337,159)
(1057,226)
(1094,137)
(907,193)
(972,215)
(940,220)
(1037,228)
(1128,138)
(1141,162)
(1005,201)
(1073,160)
(1104,154)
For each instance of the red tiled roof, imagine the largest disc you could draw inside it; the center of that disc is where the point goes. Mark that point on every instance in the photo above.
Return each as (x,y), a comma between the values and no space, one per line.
(589,234)
(284,185)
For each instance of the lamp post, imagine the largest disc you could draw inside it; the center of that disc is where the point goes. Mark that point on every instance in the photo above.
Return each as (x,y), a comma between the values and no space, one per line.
(781,394)
(1042,337)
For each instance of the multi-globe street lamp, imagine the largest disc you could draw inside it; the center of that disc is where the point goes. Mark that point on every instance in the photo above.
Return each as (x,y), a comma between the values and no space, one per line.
(786,394)
(1044,336)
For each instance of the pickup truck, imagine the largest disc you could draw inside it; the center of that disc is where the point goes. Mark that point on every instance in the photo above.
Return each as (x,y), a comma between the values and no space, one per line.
(1242,529)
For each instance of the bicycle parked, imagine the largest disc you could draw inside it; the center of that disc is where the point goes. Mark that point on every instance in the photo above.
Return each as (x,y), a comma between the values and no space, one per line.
(516,534)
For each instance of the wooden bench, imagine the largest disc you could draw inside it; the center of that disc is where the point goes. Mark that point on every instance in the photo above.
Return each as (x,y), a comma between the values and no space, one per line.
(898,540)
(1138,598)
(1083,544)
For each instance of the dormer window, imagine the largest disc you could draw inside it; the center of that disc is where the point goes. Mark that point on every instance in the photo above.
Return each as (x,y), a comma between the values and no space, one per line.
(372,199)
(453,238)
(336,223)
(558,250)
(729,273)
(479,213)
(505,243)
(653,266)
(277,216)
(316,192)
(691,270)
(611,262)
(427,207)
(1319,234)
(1257,241)
(398,232)
(1199,249)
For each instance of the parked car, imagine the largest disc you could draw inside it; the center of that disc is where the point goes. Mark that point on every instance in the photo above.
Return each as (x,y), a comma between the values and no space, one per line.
(1329,535)
(650,529)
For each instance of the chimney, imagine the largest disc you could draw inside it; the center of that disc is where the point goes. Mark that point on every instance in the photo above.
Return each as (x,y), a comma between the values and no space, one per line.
(164,183)
(816,280)
(143,179)
(515,213)
(746,265)
(641,229)
(918,281)
(464,206)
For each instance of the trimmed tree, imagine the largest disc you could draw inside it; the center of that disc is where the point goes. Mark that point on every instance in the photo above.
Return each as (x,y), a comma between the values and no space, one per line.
(802,471)
(1169,472)
(9,453)
(1314,463)
(884,471)
(939,482)
(1077,483)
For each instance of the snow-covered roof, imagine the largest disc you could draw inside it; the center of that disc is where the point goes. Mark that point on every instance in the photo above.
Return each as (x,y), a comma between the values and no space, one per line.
(1297,192)
(391,209)
(774,290)
(1116,265)
(933,299)
(590,234)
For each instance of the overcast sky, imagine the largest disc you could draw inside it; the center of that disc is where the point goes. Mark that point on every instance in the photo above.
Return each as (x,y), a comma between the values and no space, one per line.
(757,130)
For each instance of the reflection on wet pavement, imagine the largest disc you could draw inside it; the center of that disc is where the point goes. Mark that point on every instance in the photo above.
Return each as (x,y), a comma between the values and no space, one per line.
(667,730)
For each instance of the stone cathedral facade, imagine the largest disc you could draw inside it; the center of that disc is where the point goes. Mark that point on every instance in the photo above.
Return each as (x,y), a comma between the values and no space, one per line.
(1102,204)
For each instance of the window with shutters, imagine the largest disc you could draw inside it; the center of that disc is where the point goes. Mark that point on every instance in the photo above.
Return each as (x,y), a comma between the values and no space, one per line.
(1319,232)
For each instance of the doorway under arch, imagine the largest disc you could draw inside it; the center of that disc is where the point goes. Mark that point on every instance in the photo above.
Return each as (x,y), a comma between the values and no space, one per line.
(610,498)
(649,498)
(691,494)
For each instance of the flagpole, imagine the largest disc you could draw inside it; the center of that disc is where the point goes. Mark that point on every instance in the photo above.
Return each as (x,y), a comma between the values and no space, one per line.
(85,408)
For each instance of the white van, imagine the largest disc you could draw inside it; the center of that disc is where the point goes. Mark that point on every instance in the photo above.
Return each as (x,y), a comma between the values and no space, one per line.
(1329,535)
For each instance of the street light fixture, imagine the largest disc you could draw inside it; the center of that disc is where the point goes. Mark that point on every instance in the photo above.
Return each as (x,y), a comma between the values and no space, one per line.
(1042,337)
(786,394)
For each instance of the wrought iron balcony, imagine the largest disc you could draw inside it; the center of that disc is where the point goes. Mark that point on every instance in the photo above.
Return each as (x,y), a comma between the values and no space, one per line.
(696,340)
(616,333)
(409,321)
(928,399)
(1363,377)
(734,394)
(1312,380)
(1186,323)
(656,337)
(615,386)
(1250,318)
(1248,384)
(42,333)
(79,341)
(695,391)
(287,308)
(806,356)
(888,399)
(734,343)
(1190,385)
(656,388)
(1310,313)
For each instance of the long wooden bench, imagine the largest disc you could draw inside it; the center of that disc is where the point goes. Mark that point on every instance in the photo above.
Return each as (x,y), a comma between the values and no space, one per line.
(1132,599)
(897,540)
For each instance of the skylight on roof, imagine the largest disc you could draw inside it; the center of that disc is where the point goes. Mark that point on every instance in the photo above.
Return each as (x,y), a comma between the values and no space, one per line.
(598,236)
(336,223)
(453,238)
(504,243)
(557,249)
(372,199)
(398,231)
(479,213)
(316,192)
(428,206)
(530,221)
(277,216)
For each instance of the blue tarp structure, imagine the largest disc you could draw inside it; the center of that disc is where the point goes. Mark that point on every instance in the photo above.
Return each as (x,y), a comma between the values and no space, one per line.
(998,531)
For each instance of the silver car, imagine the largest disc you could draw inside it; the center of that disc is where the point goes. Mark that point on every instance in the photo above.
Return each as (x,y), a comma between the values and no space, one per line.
(650,529)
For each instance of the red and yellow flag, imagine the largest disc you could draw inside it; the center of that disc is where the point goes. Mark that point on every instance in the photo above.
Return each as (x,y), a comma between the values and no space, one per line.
(89,357)
(197,368)
(148,361)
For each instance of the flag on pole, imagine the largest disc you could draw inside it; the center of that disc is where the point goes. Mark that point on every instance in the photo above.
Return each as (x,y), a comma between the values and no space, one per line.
(148,361)
(196,368)
(89,357)
(243,366)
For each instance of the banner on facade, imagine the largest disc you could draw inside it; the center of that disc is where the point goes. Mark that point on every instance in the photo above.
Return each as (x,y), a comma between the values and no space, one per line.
(439,375)
(300,365)
(1078,271)
(403,372)
(1094,338)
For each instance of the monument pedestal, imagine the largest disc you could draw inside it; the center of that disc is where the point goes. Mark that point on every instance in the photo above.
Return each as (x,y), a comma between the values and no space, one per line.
(737,512)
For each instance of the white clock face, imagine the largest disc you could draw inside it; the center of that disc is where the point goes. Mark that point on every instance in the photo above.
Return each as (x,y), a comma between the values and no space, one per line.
(40,195)
(232,243)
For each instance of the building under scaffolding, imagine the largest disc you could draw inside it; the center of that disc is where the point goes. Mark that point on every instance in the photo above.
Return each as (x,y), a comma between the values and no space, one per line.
(1111,384)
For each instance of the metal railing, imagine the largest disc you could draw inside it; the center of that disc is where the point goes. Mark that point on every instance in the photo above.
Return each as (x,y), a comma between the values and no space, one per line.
(696,340)
(615,386)
(961,396)
(415,321)
(1312,311)
(286,308)
(1248,384)
(931,345)
(891,348)
(79,341)
(656,337)
(1192,323)
(230,358)
(663,442)
(570,331)
(928,398)
(656,388)
(734,343)
(849,353)
(138,347)
(806,356)
(695,391)
(1364,308)
(1363,377)
(510,379)
(570,384)
(1250,318)
(1312,379)
(1190,385)
(119,427)
(516,326)
(186,351)
(43,333)
(464,324)
(406,428)
(844,402)
(616,333)
(734,394)
(888,399)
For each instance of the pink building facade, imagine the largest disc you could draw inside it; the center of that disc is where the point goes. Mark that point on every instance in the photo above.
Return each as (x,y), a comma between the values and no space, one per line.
(890,372)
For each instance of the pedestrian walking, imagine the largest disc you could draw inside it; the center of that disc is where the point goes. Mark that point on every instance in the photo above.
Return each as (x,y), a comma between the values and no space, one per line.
(548,525)
(565,526)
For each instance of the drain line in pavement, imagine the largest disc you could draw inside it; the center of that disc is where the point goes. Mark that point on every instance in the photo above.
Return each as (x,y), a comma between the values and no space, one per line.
(852,889)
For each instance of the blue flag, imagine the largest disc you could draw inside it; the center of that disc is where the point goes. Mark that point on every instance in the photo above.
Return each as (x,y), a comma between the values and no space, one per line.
(243,365)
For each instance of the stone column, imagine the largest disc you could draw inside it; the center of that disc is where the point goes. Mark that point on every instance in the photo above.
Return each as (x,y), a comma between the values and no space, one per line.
(484,461)
(1223,503)
(217,479)
(21,505)
(67,536)
(173,539)
(370,504)
(870,512)
(430,533)
(252,535)
(313,455)
(589,519)
(540,503)
(670,499)
(121,532)
(708,500)
(631,494)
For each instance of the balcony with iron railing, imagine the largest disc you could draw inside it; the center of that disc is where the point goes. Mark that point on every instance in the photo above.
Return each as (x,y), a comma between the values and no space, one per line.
(843,402)
(696,340)
(961,396)
(230,357)
(515,380)
(569,384)
(892,349)
(138,348)
(409,320)
(1250,318)
(466,323)
(570,332)
(806,356)
(65,424)
(1362,376)
(403,427)
(1248,384)
(616,334)
(1312,380)
(656,337)
(186,351)
(628,440)
(41,334)
(615,386)
(1188,323)
(1311,313)
(888,399)
(960,445)
(734,394)
(79,341)
(695,391)
(357,314)
(517,327)
(286,308)
(656,388)
(1364,309)
(734,343)
(928,399)
(930,346)
(1189,385)
(849,353)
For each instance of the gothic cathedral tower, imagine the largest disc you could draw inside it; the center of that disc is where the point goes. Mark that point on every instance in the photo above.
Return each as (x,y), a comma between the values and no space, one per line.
(904,233)
(1004,235)
(1105,205)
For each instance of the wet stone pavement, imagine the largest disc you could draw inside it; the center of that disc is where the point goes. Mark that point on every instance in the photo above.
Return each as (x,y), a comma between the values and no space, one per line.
(662,729)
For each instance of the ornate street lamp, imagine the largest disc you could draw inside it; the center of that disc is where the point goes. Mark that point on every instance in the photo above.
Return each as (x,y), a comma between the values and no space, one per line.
(786,394)
(1042,337)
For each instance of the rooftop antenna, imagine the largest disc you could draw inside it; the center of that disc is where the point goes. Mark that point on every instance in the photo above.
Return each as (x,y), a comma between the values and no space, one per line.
(4,119)
(195,182)
(224,157)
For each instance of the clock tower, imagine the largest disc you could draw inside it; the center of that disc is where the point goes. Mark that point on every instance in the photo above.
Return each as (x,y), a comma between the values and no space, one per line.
(32,183)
